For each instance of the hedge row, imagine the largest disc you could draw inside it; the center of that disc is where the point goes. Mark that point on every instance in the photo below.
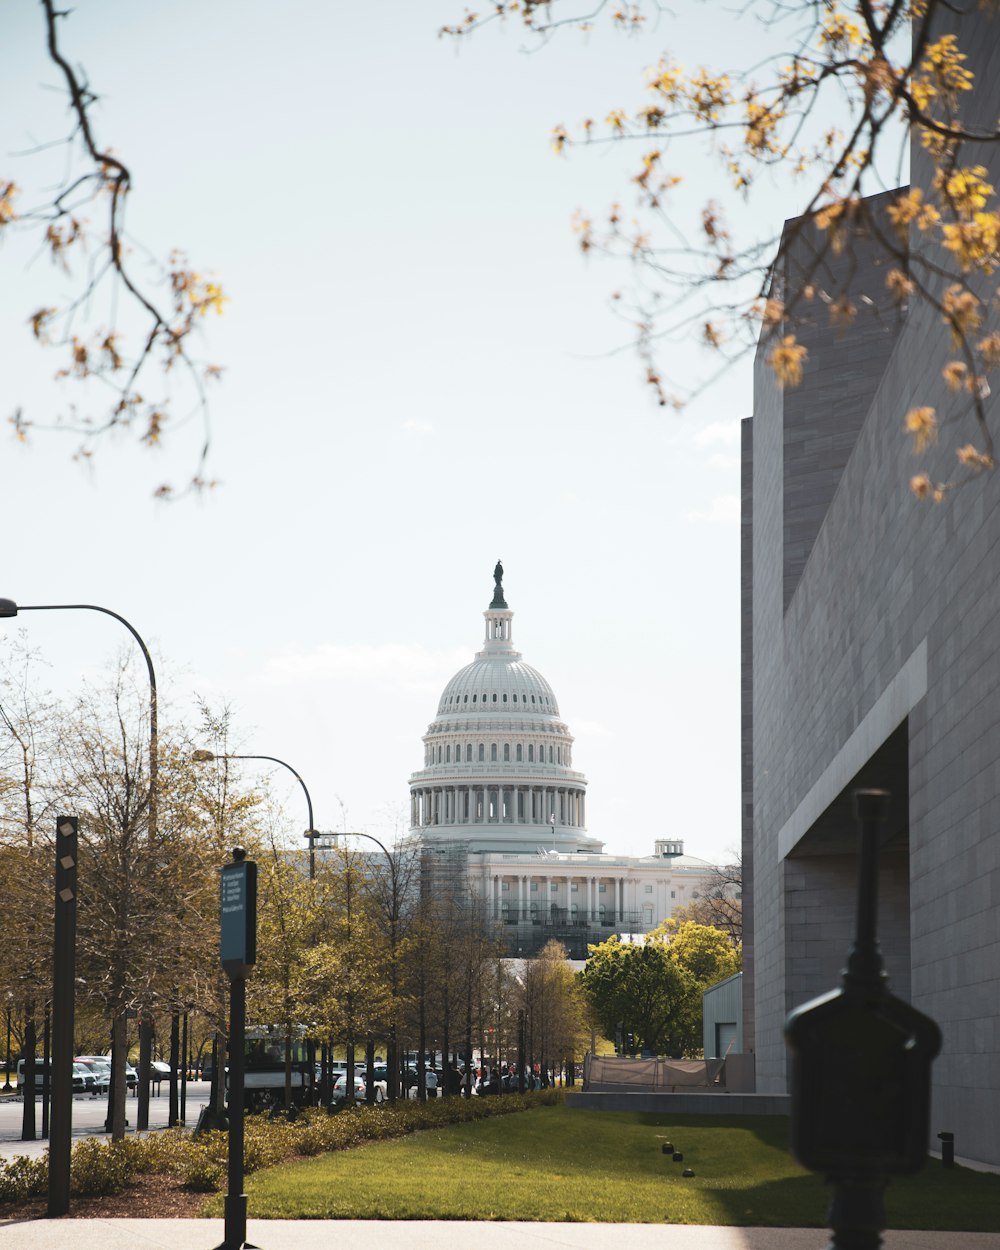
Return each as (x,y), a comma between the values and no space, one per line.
(105,1167)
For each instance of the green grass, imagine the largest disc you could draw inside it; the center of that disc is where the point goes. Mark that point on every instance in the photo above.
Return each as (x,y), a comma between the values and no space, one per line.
(554,1163)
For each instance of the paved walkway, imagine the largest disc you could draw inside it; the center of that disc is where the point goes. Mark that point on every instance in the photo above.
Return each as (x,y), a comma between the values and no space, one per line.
(440,1235)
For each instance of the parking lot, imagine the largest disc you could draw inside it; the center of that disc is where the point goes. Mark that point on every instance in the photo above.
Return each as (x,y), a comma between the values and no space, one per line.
(89,1114)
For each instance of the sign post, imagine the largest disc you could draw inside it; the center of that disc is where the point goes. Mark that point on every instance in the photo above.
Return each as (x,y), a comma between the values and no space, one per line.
(63,1001)
(238,954)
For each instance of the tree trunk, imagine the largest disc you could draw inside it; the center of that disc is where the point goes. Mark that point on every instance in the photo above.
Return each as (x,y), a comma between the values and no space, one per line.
(445,1042)
(30,1041)
(173,1117)
(145,1055)
(370,1065)
(468,1042)
(349,1075)
(219,1050)
(422,1044)
(288,1069)
(392,1064)
(119,1081)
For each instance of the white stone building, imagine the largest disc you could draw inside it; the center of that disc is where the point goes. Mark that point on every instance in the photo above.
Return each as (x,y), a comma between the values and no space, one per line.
(499,788)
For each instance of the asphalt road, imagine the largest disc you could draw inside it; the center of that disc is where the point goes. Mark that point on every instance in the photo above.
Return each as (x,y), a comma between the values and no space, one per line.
(89,1114)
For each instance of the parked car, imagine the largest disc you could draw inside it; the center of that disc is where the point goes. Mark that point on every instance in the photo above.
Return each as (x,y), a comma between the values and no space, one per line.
(158,1070)
(360,1089)
(101,1071)
(90,1082)
(131,1076)
(83,1080)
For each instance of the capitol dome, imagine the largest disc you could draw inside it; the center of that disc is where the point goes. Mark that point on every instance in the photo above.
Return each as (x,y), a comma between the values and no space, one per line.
(498,772)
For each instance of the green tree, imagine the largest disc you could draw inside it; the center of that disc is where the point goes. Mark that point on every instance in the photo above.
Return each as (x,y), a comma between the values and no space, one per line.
(640,989)
(701,950)
(554,1007)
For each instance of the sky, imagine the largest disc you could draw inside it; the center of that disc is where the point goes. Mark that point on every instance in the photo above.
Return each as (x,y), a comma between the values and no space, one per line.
(422,374)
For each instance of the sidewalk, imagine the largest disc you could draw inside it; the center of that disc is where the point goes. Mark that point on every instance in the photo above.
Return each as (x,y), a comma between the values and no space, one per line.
(443,1235)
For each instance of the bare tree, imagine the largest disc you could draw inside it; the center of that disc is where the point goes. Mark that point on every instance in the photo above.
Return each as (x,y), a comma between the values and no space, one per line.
(847,92)
(118,382)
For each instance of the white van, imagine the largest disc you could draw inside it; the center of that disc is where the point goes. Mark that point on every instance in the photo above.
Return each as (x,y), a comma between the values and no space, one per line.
(79,1077)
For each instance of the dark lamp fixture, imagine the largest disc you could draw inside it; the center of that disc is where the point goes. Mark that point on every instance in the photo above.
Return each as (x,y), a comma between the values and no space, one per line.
(8,607)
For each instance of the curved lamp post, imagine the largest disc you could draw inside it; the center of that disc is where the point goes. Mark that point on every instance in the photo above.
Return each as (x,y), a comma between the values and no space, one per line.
(206,757)
(9,608)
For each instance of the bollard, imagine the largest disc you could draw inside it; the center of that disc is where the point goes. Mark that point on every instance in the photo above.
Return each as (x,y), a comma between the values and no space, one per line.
(947,1141)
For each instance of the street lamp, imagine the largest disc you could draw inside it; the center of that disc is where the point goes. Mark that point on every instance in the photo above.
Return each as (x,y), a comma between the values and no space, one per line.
(206,757)
(8,608)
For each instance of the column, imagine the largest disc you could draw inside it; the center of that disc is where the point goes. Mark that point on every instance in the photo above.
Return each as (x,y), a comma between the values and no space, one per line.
(520,898)
(547,910)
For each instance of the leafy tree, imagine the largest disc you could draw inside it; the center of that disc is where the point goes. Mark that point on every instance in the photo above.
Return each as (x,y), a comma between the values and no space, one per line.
(827,114)
(701,950)
(642,990)
(554,1006)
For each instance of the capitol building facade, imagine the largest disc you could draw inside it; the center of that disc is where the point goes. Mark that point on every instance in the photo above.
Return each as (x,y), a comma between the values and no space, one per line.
(498,799)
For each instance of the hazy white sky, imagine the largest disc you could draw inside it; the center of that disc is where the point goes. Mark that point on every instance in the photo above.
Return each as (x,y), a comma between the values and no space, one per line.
(420,377)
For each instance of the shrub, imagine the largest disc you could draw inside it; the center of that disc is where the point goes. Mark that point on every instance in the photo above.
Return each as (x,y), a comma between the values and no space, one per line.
(203,1174)
(22,1178)
(100,1168)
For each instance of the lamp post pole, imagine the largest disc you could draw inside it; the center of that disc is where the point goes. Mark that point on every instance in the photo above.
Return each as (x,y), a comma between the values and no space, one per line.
(8,608)
(205,757)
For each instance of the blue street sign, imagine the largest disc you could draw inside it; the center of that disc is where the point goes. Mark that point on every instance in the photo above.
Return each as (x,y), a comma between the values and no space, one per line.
(238,914)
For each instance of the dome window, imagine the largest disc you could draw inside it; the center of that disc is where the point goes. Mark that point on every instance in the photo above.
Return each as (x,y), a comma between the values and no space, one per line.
(494,696)
(447,755)
(520,753)
(515,698)
(506,752)
(531,753)
(550,756)
(482,752)
(439,755)
(468,752)
(532,698)
(493,752)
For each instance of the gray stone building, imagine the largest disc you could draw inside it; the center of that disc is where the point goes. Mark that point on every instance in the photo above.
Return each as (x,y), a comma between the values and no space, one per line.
(872,657)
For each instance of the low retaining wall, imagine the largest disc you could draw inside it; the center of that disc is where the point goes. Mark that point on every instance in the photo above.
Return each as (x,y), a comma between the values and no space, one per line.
(704,1103)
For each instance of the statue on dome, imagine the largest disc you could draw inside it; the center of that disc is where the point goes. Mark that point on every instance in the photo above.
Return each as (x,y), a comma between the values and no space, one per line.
(498,599)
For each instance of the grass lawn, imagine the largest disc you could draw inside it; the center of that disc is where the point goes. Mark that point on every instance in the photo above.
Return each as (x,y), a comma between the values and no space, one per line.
(553,1163)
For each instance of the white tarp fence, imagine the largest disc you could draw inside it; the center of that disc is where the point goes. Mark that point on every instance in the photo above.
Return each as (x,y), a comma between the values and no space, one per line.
(662,1074)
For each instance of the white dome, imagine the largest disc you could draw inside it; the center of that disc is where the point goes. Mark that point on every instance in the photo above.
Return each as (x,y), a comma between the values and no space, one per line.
(500,684)
(498,762)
